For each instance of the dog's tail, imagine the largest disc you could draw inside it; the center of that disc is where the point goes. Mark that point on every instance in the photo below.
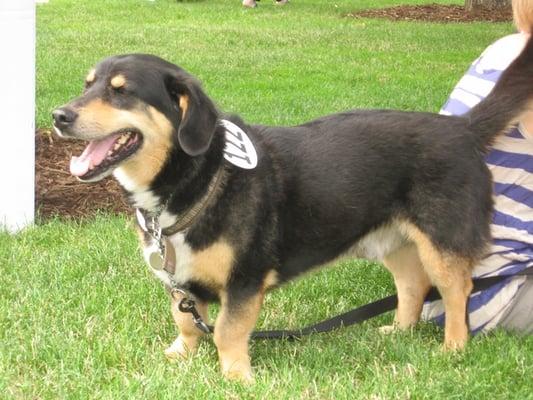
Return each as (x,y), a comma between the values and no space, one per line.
(509,100)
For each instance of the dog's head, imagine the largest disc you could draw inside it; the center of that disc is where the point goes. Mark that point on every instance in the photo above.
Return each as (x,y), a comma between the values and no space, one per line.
(135,110)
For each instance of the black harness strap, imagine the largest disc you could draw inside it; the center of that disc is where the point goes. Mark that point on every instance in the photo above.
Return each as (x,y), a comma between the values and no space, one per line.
(352,317)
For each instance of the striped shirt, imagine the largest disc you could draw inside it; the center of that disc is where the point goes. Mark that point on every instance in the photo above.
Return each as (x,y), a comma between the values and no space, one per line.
(511,164)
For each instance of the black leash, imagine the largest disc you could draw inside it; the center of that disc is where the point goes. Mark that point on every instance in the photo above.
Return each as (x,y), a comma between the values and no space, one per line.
(355,316)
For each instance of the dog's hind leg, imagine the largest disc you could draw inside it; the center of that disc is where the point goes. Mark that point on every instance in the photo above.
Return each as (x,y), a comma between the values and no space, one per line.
(236,321)
(451,274)
(412,285)
(186,343)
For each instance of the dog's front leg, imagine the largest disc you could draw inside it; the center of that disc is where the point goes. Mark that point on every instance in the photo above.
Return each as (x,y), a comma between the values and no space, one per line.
(186,343)
(236,320)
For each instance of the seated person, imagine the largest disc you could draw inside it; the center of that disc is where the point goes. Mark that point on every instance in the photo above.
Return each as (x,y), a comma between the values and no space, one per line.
(507,304)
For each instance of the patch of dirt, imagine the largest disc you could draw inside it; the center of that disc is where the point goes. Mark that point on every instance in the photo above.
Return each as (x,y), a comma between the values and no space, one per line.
(58,193)
(435,13)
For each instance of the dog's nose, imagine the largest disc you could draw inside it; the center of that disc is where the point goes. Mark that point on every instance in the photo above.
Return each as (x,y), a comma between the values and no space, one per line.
(64,117)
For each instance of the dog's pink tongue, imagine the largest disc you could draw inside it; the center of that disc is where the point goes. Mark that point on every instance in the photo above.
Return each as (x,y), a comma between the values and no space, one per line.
(92,156)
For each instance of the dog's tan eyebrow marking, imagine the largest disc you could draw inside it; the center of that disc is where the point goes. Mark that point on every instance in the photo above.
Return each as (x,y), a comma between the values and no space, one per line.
(118,81)
(90,76)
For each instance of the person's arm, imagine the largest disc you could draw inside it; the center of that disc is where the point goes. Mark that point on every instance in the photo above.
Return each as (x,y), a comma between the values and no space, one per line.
(483,74)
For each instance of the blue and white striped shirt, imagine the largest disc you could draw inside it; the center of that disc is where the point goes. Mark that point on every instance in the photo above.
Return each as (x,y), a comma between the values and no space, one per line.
(511,164)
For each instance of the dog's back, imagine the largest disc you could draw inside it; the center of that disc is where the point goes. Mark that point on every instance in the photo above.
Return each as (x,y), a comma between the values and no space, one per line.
(347,174)
(352,172)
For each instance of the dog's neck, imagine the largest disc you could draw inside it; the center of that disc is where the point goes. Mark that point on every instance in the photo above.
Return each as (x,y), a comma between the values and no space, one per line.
(139,196)
(181,184)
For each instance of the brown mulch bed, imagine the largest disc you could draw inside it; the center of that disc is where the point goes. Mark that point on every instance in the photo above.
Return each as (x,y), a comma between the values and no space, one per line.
(59,193)
(435,13)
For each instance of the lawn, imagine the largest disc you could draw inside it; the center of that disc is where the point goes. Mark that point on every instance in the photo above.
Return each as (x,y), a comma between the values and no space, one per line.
(80,314)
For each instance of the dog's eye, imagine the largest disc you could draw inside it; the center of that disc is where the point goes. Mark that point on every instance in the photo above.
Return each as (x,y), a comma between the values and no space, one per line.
(118,89)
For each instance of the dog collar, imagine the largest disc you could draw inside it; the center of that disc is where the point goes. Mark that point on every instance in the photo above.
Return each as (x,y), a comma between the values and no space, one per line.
(150,223)
(189,216)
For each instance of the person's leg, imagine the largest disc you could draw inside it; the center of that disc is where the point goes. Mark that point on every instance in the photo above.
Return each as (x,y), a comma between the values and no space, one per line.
(249,3)
(520,316)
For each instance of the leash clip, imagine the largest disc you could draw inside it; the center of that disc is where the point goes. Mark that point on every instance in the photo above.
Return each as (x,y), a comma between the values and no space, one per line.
(188,305)
(200,324)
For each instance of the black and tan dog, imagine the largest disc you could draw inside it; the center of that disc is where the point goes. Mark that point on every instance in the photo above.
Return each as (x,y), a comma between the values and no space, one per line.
(408,188)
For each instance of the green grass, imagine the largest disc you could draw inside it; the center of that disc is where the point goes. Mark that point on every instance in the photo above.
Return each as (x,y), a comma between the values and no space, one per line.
(80,315)
(279,65)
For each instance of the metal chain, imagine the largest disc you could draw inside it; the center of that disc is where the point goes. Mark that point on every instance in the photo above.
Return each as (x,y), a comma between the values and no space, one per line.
(187,303)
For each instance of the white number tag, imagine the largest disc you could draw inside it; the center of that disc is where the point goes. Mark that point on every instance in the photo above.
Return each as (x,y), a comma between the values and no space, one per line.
(239,149)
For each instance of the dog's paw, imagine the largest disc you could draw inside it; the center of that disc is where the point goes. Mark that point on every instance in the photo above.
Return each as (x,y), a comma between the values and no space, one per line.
(245,377)
(454,345)
(239,371)
(180,349)
(388,329)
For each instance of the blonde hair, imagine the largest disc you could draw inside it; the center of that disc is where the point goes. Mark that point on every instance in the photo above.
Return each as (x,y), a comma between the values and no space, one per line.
(523,14)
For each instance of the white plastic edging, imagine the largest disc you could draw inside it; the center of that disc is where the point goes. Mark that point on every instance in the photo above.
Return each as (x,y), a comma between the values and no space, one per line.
(17,113)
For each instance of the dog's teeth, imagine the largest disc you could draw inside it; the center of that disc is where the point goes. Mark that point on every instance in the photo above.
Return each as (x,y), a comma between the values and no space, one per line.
(116,146)
(123,139)
(110,153)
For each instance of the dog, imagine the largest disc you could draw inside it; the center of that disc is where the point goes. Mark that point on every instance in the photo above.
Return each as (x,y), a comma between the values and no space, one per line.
(244,208)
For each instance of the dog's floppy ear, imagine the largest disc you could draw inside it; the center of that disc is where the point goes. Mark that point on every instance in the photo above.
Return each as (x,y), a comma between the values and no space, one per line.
(198,114)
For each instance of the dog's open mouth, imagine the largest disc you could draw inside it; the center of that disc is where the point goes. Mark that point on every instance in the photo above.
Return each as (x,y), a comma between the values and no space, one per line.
(100,156)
